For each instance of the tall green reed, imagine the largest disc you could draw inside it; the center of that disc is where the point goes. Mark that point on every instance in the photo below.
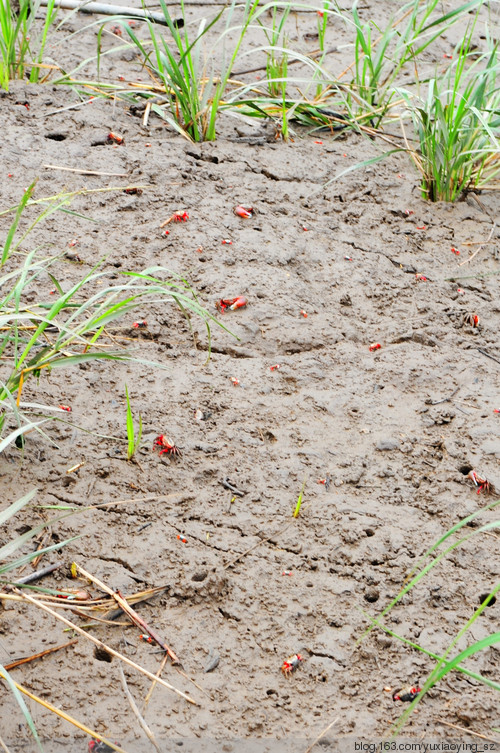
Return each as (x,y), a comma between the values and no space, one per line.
(21,45)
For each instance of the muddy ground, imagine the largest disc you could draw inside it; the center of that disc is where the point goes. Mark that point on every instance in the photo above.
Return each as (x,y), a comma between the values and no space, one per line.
(394,430)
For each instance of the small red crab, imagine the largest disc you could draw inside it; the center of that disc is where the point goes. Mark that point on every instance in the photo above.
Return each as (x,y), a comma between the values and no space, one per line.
(166,445)
(291,664)
(231,303)
(99,747)
(483,485)
(177,216)
(407,695)
(140,324)
(244,211)
(471,319)
(115,138)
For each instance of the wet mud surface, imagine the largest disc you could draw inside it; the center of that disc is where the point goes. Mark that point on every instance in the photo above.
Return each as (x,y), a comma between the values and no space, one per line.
(393,431)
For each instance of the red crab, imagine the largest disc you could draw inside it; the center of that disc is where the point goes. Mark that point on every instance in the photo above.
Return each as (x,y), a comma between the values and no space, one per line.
(99,747)
(407,695)
(291,664)
(115,138)
(483,485)
(180,217)
(471,319)
(244,211)
(231,303)
(177,216)
(167,446)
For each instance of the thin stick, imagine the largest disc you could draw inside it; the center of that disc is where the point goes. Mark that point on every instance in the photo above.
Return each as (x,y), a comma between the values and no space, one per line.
(84,172)
(153,684)
(67,717)
(262,541)
(321,735)
(137,619)
(478,249)
(136,711)
(108,649)
(464,729)
(488,355)
(2,745)
(37,575)
(63,109)
(27,659)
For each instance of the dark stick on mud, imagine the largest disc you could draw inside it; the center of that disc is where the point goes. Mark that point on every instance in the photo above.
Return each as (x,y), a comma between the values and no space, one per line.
(227,485)
(38,574)
(488,355)
(445,399)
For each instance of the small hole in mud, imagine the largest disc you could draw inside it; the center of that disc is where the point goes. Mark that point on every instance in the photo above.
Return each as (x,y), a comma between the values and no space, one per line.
(102,655)
(372,595)
(322,678)
(483,598)
(465,469)
(199,577)
(55,136)
(271,691)
(369,532)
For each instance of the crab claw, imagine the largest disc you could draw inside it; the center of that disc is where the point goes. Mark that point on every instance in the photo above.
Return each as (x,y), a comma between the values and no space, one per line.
(238,303)
(231,303)
(243,211)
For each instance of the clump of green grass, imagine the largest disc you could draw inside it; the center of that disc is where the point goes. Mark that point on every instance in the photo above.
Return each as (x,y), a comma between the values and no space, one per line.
(448,661)
(456,126)
(21,47)
(38,337)
(276,57)
(381,54)
(193,88)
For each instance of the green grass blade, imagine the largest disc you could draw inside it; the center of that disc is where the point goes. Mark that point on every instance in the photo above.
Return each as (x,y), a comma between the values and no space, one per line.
(130,427)
(10,235)
(16,506)
(29,557)
(299,501)
(22,705)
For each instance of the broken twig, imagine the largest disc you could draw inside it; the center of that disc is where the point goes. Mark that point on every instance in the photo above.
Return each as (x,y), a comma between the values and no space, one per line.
(27,659)
(84,172)
(133,706)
